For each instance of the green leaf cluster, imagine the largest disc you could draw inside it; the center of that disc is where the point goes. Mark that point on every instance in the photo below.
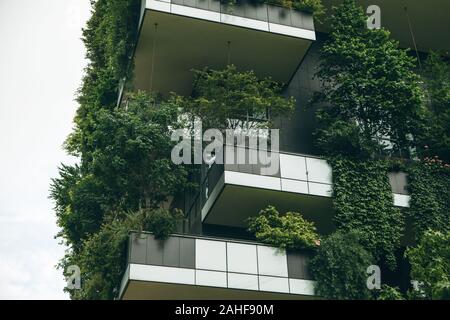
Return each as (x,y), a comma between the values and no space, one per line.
(162,223)
(339,267)
(434,138)
(230,99)
(362,199)
(311,6)
(429,187)
(109,38)
(371,98)
(288,231)
(130,168)
(430,264)
(102,259)
(389,293)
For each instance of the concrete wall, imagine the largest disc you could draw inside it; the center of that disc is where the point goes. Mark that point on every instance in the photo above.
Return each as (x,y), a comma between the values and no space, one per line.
(296,133)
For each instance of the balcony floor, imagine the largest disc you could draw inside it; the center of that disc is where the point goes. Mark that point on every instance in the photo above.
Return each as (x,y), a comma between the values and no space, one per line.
(143,290)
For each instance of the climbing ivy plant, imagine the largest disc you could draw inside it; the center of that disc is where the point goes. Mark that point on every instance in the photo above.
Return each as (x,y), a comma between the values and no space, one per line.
(362,199)
(429,186)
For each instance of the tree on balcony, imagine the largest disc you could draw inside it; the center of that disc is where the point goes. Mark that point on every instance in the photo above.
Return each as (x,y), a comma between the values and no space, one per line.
(230,99)
(371,97)
(434,139)
(123,187)
(130,169)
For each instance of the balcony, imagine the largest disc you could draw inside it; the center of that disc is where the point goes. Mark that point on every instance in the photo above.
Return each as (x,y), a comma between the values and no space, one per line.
(232,193)
(177,36)
(186,267)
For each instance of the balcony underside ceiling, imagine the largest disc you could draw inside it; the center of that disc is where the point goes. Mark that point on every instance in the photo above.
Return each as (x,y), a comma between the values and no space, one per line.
(429,19)
(144,290)
(236,203)
(183,44)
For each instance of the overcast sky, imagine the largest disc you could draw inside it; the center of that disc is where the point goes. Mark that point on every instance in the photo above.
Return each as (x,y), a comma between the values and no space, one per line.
(41,64)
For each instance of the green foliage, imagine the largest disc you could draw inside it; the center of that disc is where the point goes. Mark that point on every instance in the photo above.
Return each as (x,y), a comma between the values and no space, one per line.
(230,99)
(429,186)
(362,199)
(132,155)
(130,168)
(339,267)
(311,6)
(289,231)
(79,204)
(369,90)
(430,264)
(102,259)
(81,198)
(434,140)
(162,222)
(389,293)
(109,38)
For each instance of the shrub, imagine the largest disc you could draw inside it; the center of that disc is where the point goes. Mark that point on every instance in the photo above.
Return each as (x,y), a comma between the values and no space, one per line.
(162,222)
(290,231)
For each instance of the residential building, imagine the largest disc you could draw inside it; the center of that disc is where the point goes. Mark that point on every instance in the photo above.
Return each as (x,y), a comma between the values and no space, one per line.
(213,256)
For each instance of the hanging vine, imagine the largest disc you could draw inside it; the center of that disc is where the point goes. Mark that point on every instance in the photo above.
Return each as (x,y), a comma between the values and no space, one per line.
(363,201)
(429,186)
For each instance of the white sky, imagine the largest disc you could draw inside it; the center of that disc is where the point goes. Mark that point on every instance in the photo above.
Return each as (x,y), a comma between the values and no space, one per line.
(41,64)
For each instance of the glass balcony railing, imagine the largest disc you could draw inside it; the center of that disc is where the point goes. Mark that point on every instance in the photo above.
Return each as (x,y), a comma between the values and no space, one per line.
(256,11)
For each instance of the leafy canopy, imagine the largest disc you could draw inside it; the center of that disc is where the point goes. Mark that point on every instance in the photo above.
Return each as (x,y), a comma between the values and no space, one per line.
(230,99)
(370,94)
(130,168)
(434,139)
(389,293)
(109,38)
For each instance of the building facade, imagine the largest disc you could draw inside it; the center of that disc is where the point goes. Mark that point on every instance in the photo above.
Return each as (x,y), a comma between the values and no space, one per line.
(213,256)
